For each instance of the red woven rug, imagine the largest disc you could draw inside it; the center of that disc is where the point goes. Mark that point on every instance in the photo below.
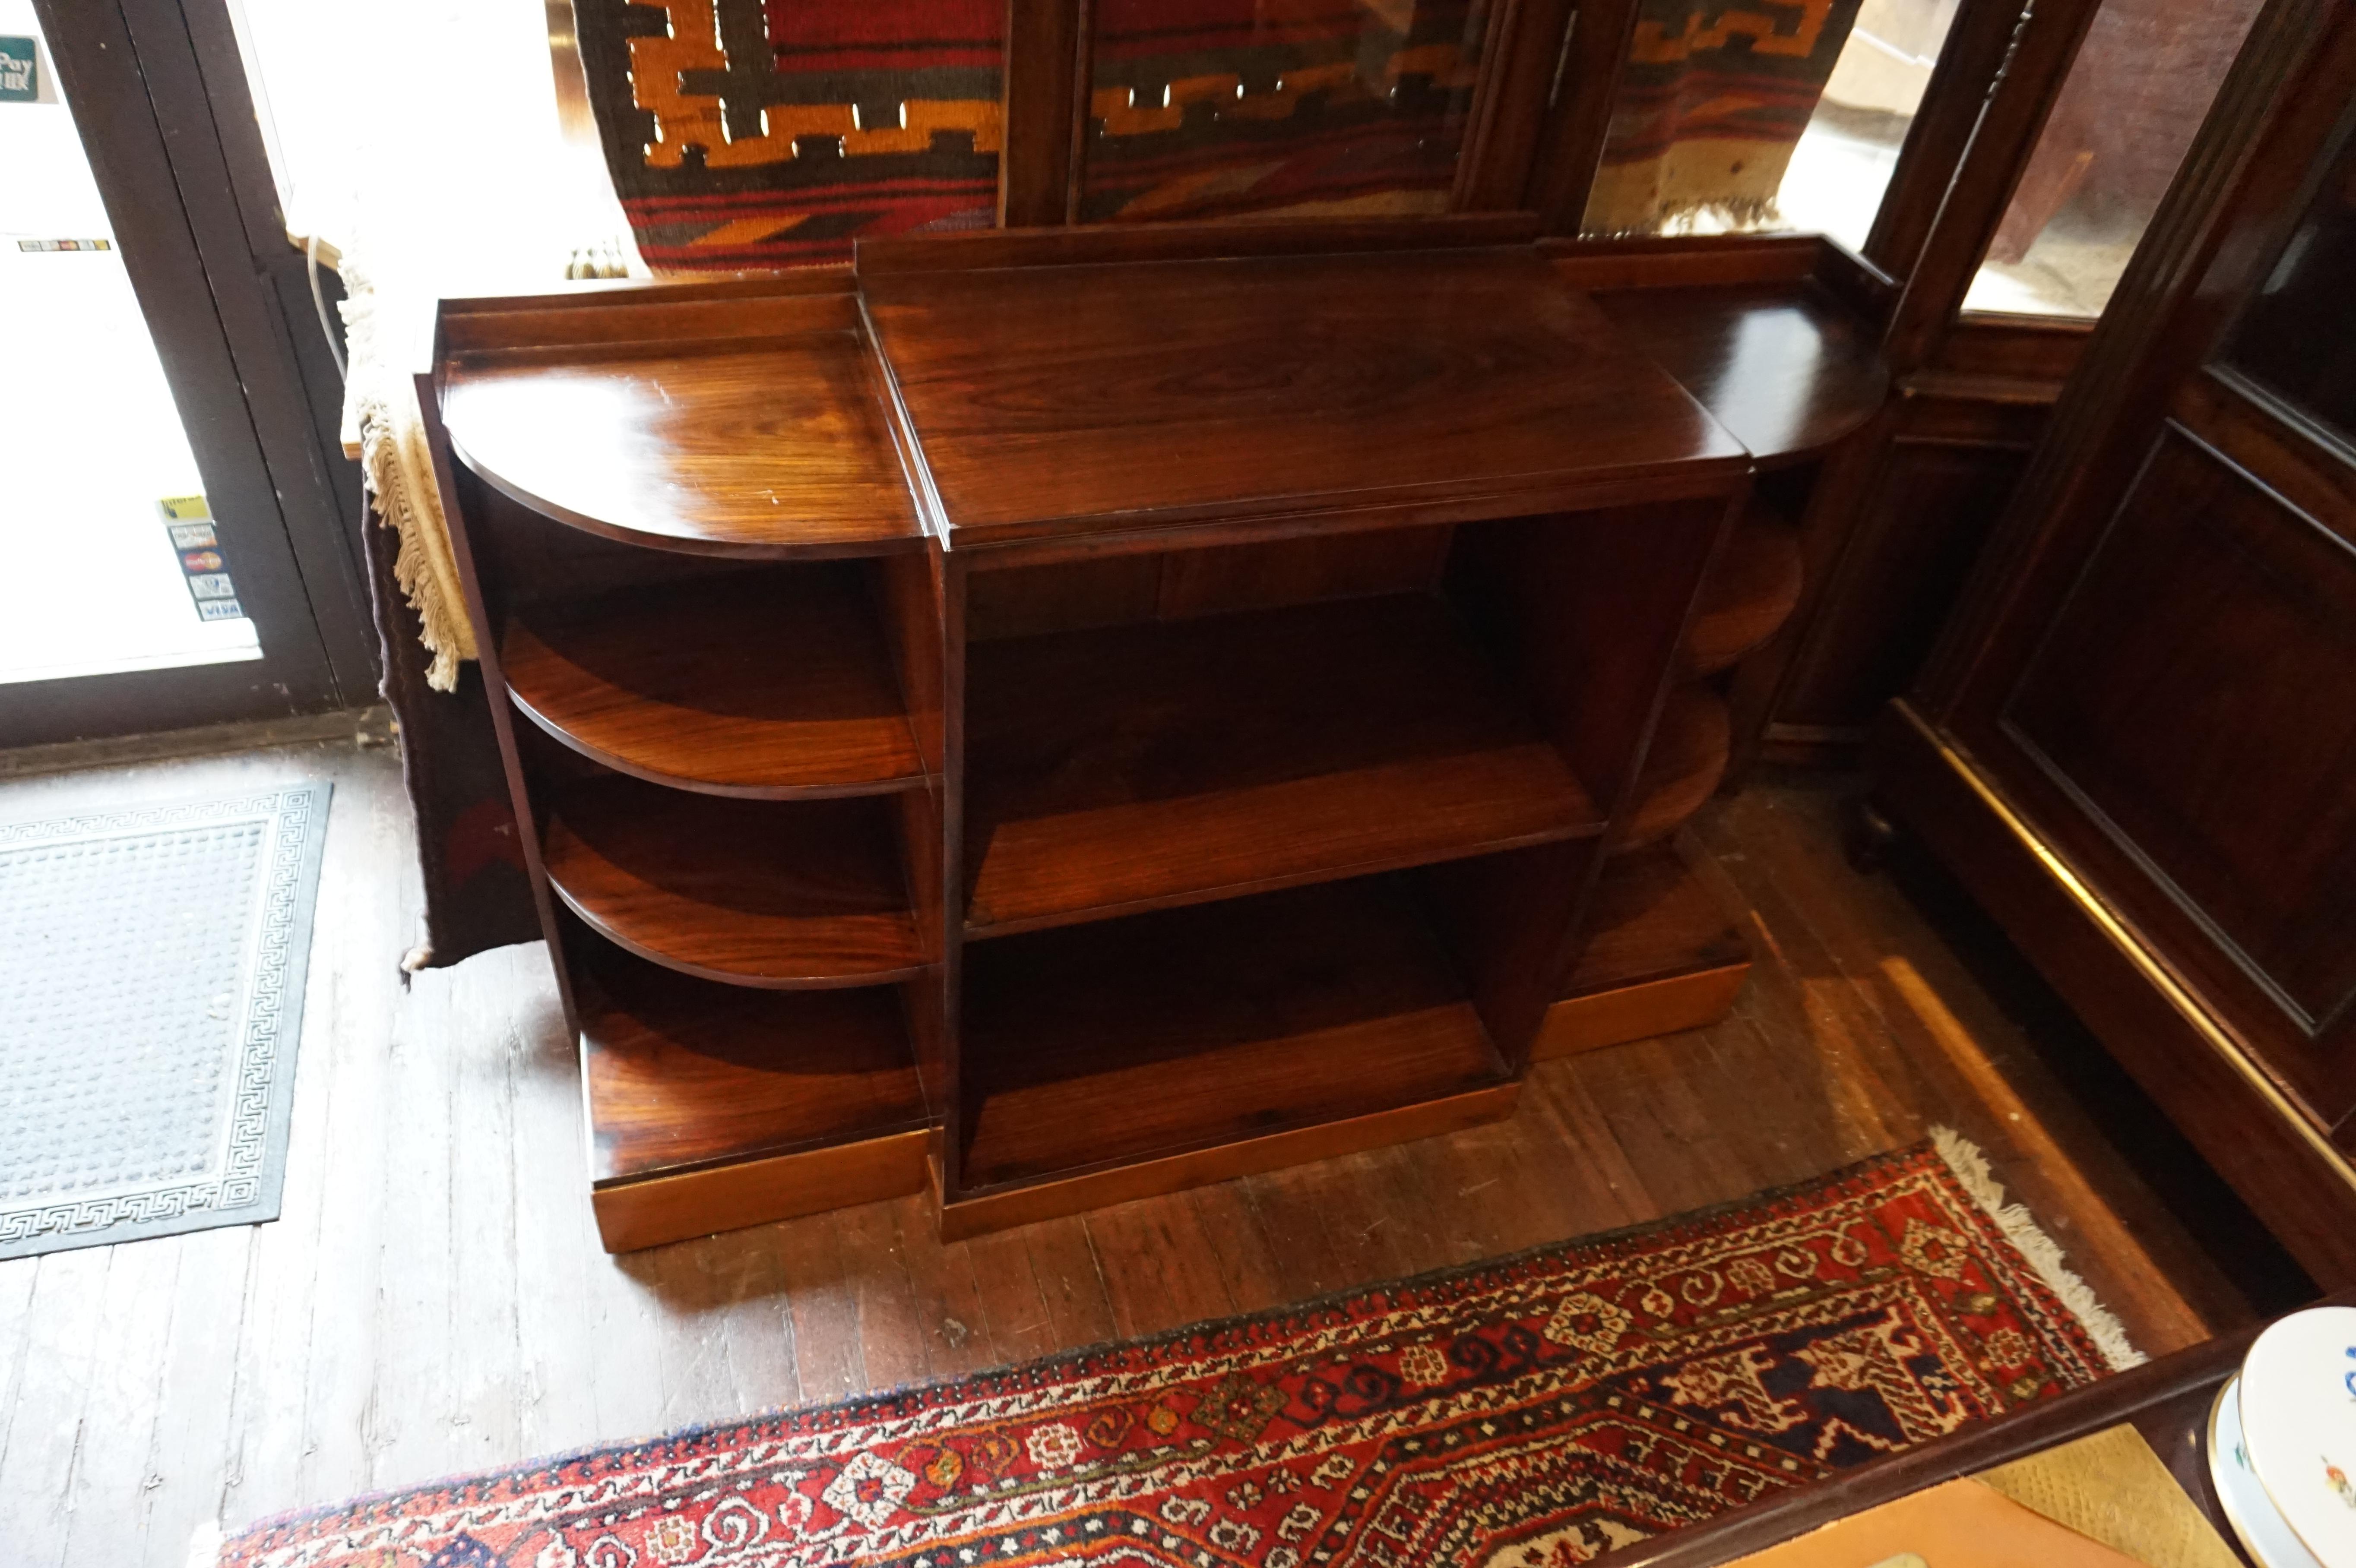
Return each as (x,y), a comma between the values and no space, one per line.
(1517,1415)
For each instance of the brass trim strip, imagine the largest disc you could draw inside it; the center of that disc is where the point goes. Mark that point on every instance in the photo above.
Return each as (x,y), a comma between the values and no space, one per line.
(2136,954)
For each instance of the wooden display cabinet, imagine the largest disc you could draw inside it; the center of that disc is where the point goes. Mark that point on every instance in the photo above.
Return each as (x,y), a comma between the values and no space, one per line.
(1067,715)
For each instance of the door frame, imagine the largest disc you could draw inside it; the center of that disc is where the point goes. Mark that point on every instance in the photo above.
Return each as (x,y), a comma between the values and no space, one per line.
(159,98)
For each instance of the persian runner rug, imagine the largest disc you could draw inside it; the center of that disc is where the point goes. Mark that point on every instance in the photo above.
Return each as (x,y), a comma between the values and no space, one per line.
(152,961)
(1523,1413)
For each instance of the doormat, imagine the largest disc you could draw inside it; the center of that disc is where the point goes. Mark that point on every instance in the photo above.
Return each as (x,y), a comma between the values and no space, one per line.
(152,961)
(1522,1413)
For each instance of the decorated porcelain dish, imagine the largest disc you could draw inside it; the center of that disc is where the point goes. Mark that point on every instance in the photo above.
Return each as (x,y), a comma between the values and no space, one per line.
(2264,1534)
(2299,1422)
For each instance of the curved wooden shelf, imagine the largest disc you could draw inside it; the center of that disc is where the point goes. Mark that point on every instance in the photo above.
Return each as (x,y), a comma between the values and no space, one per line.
(776,450)
(713,1107)
(1750,593)
(808,893)
(768,685)
(1781,364)
(1659,954)
(1687,758)
(684,1074)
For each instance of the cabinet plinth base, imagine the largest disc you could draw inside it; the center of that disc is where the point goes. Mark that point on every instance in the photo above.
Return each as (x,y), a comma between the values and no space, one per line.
(1663,955)
(987,1211)
(659,1208)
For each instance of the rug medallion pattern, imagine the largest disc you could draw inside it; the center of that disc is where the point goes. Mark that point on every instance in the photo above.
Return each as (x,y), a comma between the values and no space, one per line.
(1526,1414)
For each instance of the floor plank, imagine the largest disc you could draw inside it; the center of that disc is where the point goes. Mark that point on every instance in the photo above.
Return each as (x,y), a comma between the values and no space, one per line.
(434,1299)
(188,1458)
(122,1404)
(1163,1273)
(46,1430)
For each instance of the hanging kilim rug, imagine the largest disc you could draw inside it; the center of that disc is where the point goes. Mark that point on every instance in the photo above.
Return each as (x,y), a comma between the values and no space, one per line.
(1524,1413)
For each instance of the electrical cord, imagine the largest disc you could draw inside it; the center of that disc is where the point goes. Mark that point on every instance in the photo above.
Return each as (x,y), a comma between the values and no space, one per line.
(319,301)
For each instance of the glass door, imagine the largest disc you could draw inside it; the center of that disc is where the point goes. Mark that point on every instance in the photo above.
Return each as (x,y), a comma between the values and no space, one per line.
(150,583)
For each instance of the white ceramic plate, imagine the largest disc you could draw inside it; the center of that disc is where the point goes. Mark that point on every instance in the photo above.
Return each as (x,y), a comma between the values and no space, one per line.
(2298,1424)
(2265,1536)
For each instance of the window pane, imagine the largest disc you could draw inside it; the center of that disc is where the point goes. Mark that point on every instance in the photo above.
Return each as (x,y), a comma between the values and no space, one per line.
(2134,98)
(113,562)
(1324,107)
(1778,118)
(2298,337)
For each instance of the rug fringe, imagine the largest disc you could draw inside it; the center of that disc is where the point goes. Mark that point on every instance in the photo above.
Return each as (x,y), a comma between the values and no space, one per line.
(205,1545)
(2045,1254)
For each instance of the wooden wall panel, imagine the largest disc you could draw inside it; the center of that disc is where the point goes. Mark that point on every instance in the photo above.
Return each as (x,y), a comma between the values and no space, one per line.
(1912,545)
(1889,550)
(2193,695)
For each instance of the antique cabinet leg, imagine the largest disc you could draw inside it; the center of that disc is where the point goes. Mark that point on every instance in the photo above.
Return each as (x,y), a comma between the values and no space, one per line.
(1868,836)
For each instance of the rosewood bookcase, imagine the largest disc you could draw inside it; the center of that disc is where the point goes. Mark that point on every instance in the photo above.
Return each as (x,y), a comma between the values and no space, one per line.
(1063,716)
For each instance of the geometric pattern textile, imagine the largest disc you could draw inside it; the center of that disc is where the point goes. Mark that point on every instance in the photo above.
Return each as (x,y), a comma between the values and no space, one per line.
(1335,107)
(1714,97)
(747,136)
(152,965)
(1522,1413)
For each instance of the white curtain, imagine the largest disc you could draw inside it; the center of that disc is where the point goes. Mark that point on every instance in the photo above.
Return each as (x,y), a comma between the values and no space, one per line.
(423,147)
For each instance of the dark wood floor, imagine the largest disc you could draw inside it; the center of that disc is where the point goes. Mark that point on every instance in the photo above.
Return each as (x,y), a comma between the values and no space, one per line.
(434,1300)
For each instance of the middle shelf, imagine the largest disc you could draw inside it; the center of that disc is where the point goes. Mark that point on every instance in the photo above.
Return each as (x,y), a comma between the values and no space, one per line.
(1149,764)
(805,893)
(775,683)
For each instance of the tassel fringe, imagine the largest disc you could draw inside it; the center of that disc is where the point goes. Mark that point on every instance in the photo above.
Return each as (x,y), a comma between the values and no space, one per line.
(2045,1254)
(381,412)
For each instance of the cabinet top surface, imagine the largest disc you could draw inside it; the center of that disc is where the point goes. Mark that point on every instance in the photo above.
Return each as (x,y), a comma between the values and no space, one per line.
(833,414)
(771,448)
(1056,399)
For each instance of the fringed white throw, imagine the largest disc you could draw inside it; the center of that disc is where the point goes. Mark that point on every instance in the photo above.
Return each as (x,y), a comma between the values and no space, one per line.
(387,340)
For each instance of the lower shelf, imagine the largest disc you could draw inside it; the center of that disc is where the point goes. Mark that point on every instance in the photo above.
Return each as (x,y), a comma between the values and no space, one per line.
(752,892)
(1688,758)
(1749,594)
(1108,1060)
(1663,956)
(713,1107)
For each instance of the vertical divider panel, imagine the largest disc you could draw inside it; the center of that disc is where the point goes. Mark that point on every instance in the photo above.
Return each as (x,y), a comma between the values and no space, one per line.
(1580,121)
(908,588)
(1046,75)
(948,573)
(1587,614)
(495,688)
(1521,62)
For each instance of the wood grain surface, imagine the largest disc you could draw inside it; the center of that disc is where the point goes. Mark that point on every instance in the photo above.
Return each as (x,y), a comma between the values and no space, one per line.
(1652,917)
(1747,593)
(770,684)
(752,892)
(1159,394)
(1659,954)
(1112,1043)
(1783,366)
(683,1072)
(775,449)
(1150,764)
(1682,768)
